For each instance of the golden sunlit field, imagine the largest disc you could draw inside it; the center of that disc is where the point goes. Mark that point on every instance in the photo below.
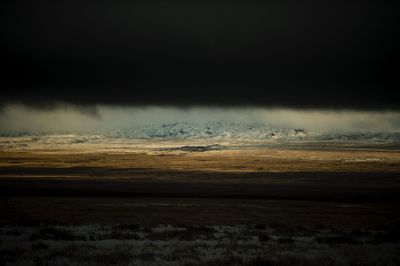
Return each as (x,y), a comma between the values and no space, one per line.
(204,157)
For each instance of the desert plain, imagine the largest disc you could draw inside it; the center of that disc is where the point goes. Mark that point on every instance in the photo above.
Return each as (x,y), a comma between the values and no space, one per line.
(199,202)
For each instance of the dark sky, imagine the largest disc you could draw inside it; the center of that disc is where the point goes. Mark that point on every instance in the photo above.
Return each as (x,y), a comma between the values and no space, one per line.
(323,54)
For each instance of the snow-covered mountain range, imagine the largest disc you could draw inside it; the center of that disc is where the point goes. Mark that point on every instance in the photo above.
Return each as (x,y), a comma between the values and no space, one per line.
(244,131)
(221,130)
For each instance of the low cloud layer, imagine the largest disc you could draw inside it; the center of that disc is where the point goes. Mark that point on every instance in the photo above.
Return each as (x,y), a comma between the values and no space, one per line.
(97,119)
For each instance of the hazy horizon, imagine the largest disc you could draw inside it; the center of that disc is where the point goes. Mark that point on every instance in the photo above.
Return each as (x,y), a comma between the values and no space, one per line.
(97,118)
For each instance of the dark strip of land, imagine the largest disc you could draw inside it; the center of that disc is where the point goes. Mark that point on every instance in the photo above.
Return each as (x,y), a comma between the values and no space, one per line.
(385,191)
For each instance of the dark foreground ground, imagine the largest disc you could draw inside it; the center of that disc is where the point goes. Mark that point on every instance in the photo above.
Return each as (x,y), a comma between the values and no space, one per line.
(48,222)
(265,207)
(196,231)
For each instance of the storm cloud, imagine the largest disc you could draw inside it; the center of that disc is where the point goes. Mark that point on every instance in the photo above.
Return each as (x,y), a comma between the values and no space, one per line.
(296,54)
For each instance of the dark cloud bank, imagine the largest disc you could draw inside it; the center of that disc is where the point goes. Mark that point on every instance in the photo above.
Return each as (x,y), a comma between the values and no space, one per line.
(301,54)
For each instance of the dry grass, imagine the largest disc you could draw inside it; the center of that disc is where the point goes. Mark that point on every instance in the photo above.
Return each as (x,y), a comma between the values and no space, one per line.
(149,156)
(222,245)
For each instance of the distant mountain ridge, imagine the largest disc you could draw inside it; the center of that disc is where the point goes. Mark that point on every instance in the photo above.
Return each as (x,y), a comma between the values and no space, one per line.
(245,131)
(220,129)
(213,130)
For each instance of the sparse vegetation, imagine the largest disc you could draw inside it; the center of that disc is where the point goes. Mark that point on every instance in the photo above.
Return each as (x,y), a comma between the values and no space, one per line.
(196,245)
(55,233)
